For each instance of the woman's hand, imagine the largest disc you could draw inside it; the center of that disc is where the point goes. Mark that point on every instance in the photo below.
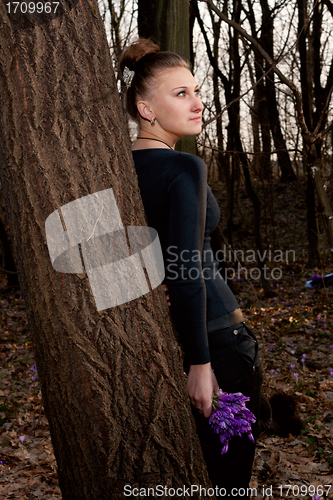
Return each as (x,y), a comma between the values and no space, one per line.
(201,387)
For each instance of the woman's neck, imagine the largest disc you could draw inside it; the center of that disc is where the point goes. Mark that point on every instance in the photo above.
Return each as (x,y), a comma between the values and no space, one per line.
(151,140)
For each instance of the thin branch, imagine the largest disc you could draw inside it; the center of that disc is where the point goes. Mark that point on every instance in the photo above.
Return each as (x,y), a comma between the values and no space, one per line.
(219,72)
(235,100)
(325,132)
(329,6)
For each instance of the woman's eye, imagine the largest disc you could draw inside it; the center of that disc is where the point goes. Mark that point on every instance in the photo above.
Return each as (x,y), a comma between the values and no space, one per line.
(182,93)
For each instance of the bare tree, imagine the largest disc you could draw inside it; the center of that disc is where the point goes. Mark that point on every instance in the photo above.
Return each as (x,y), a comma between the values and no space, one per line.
(112,380)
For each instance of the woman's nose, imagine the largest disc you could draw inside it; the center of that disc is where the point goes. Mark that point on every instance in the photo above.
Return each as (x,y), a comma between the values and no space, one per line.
(197,104)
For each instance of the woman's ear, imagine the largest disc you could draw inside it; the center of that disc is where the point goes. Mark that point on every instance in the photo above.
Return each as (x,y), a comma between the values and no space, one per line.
(144,110)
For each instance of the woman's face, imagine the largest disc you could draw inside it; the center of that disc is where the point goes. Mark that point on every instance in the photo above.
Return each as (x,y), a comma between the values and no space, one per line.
(175,104)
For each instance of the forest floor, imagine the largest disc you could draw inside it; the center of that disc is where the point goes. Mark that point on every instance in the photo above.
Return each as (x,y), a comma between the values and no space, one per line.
(295,331)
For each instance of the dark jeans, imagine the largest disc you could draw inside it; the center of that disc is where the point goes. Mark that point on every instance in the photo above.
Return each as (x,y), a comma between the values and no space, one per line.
(236,364)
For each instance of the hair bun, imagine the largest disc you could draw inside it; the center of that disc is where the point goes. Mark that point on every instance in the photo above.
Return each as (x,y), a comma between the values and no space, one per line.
(136,51)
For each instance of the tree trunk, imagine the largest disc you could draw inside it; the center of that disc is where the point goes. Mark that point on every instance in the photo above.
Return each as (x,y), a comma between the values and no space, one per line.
(167,23)
(267,42)
(262,161)
(8,261)
(112,380)
(312,223)
(234,130)
(223,160)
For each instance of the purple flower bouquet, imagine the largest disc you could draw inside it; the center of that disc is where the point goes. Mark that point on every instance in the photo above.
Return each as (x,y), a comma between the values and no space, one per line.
(230,417)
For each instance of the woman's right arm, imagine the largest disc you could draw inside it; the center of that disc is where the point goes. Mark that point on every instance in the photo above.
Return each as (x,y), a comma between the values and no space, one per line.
(187,215)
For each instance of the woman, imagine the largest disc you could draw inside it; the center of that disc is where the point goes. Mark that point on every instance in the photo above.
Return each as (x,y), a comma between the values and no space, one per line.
(220,350)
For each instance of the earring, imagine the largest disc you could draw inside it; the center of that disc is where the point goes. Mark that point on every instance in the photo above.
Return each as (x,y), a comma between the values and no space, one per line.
(152,122)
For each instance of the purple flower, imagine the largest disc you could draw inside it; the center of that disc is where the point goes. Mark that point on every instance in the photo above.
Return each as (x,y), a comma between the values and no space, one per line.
(22,438)
(292,367)
(303,358)
(271,348)
(231,417)
(331,372)
(272,371)
(34,369)
(316,497)
(293,351)
(296,376)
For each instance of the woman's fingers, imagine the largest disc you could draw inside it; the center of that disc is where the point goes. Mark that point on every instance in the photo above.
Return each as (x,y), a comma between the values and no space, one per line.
(201,386)
(165,288)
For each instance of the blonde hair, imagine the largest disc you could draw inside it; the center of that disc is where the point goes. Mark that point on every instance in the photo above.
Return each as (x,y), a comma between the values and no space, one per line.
(145,59)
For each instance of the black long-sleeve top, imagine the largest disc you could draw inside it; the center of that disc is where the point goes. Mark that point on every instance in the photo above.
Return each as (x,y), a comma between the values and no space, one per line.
(181,207)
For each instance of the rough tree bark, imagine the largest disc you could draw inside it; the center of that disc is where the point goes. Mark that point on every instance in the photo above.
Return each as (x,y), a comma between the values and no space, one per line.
(112,381)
